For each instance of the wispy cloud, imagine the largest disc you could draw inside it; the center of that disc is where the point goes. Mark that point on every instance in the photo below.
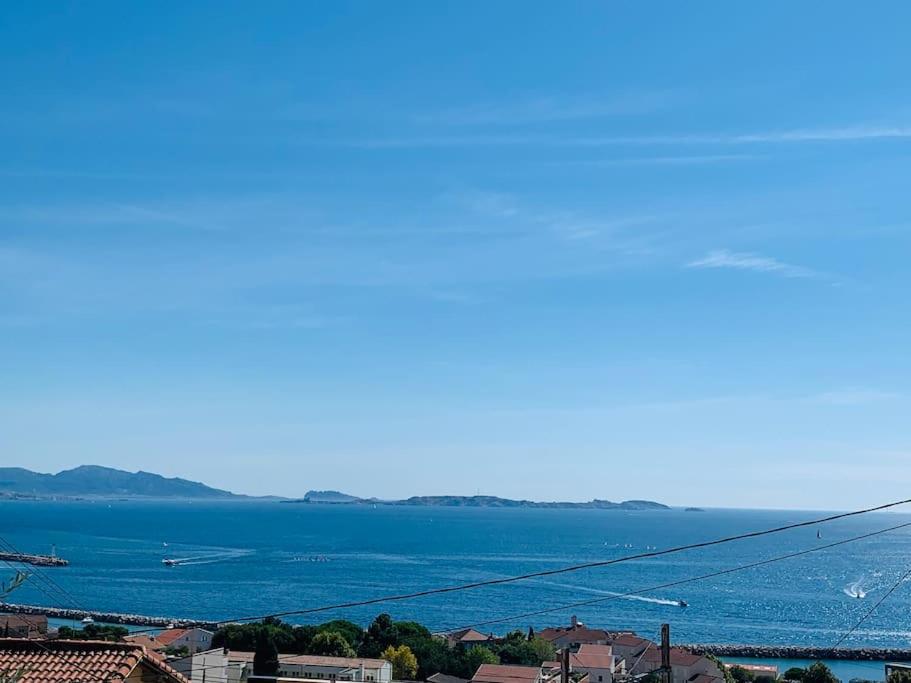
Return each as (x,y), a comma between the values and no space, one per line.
(524,110)
(681,160)
(852,397)
(724,258)
(858,133)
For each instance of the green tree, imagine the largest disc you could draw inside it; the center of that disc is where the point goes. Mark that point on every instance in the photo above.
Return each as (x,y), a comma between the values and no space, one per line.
(795,673)
(819,673)
(265,657)
(741,675)
(517,648)
(330,644)
(725,671)
(350,631)
(404,663)
(435,656)
(93,632)
(474,657)
(380,634)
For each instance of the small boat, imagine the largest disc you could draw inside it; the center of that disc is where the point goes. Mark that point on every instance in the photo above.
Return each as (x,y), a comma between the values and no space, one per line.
(683,603)
(170,563)
(88,620)
(818,534)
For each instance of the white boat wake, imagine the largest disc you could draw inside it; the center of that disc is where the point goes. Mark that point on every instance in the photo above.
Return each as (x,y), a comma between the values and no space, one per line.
(855,590)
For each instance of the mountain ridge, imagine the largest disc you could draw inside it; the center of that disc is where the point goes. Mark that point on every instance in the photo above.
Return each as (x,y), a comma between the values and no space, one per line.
(338,498)
(100,481)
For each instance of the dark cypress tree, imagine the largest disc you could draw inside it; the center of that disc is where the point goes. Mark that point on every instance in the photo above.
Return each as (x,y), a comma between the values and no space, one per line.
(265,657)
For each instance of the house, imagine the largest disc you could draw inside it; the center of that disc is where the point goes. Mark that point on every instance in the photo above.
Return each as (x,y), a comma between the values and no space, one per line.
(445,678)
(575,635)
(194,639)
(41,661)
(598,661)
(145,640)
(209,665)
(764,671)
(893,667)
(503,673)
(313,667)
(685,666)
(23,626)
(467,637)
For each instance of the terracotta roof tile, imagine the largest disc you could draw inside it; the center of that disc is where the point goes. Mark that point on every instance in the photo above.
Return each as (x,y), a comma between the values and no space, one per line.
(500,673)
(170,635)
(85,661)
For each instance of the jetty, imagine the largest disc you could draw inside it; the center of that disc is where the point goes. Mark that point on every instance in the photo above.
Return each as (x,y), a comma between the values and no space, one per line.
(107,617)
(872,654)
(36,560)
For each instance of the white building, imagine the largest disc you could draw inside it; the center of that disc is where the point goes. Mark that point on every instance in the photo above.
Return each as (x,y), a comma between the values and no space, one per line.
(313,667)
(194,639)
(204,667)
(598,661)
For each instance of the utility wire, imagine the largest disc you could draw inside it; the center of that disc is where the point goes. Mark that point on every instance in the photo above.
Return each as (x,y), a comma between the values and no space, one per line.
(681,582)
(571,568)
(671,584)
(869,613)
(40,574)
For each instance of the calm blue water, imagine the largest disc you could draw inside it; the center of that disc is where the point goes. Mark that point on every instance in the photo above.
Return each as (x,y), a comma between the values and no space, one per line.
(245,565)
(845,670)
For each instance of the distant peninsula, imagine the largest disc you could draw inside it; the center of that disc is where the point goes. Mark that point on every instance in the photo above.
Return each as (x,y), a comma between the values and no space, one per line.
(336,497)
(97,482)
(94,481)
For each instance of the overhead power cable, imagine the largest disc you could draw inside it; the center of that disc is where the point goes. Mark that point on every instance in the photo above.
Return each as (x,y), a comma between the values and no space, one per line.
(904,577)
(681,582)
(571,568)
(648,589)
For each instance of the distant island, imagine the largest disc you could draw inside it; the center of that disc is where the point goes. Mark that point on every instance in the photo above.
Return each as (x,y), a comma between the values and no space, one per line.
(94,481)
(336,497)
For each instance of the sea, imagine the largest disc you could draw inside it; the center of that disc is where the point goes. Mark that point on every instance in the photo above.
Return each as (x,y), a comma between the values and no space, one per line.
(243,559)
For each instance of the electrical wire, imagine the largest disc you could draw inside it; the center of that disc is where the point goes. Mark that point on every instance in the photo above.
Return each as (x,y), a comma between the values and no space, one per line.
(564,570)
(670,584)
(682,582)
(904,577)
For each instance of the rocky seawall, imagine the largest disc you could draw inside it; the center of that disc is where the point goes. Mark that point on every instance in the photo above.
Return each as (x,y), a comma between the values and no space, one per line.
(799,652)
(106,617)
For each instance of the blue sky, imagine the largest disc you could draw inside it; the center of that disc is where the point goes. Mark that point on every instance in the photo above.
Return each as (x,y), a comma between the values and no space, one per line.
(605,249)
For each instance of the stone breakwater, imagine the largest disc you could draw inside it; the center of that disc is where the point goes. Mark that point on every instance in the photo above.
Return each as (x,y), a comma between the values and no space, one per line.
(797,652)
(106,617)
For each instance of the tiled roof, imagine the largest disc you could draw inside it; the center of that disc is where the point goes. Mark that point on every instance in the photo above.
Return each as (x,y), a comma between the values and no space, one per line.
(468,635)
(145,641)
(31,621)
(313,660)
(679,657)
(53,661)
(445,678)
(592,657)
(578,634)
(705,678)
(629,640)
(169,636)
(500,673)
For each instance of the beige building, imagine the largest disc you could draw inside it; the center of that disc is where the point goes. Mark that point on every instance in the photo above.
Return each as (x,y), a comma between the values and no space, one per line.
(313,667)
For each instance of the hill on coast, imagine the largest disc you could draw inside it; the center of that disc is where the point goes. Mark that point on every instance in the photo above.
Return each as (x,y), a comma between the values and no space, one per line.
(97,481)
(477,501)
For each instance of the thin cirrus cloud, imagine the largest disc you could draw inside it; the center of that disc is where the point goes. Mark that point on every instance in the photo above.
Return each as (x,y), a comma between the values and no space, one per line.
(551,109)
(724,258)
(846,134)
